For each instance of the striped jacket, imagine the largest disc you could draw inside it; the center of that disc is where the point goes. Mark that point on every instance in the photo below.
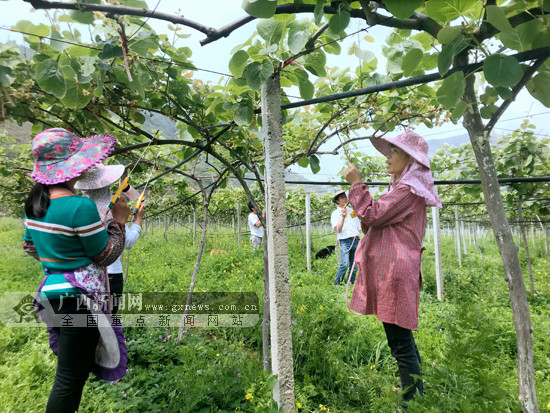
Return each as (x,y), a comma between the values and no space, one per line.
(71,237)
(389,255)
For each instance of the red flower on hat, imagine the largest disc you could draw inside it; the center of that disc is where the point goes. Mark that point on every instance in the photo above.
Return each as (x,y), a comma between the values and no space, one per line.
(49,168)
(76,141)
(59,173)
(58,148)
(86,161)
(49,156)
(73,147)
(36,153)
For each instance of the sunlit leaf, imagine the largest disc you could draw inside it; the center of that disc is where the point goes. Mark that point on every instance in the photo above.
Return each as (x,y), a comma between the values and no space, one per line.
(339,22)
(270,30)
(244,113)
(298,35)
(314,164)
(263,9)
(256,73)
(77,95)
(458,111)
(539,87)
(318,12)
(411,61)
(448,33)
(448,10)
(502,70)
(50,78)
(306,89)
(403,9)
(27,28)
(497,18)
(451,90)
(315,62)
(237,63)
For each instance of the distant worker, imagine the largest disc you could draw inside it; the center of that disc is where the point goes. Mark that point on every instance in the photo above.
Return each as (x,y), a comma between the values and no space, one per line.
(390,254)
(347,227)
(255,226)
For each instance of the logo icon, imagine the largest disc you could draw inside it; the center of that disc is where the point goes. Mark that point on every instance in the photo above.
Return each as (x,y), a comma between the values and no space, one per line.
(26,310)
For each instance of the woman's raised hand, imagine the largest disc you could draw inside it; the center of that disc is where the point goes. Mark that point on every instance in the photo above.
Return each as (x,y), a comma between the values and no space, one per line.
(121,210)
(352,174)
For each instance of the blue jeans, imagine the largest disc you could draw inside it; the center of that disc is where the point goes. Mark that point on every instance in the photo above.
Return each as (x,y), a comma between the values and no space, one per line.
(347,255)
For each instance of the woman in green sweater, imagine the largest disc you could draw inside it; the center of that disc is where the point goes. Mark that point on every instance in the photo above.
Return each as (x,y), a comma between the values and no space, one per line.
(64,231)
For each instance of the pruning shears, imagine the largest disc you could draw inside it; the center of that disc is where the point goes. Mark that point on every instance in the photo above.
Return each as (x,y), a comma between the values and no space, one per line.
(118,192)
(124,185)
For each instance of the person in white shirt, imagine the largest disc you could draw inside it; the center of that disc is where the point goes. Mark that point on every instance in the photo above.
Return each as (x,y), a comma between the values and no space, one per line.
(347,227)
(96,186)
(256,227)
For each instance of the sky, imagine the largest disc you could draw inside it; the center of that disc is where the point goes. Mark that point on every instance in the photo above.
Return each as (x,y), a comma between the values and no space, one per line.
(215,57)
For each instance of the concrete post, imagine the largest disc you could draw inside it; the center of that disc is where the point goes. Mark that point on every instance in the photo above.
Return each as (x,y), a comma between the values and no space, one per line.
(279,286)
(437,249)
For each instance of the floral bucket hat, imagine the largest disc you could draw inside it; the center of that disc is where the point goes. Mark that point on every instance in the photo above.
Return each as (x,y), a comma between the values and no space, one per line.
(59,155)
(409,141)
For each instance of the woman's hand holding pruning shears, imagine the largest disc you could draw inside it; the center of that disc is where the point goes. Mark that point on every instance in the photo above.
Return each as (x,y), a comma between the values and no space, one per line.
(121,210)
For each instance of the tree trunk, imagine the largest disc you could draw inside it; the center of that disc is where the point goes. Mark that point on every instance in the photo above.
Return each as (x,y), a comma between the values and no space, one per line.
(195,271)
(195,224)
(545,234)
(526,244)
(279,285)
(506,245)
(239,222)
(477,246)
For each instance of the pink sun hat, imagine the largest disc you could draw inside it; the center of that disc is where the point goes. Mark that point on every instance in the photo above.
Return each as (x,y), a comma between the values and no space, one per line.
(409,141)
(100,176)
(59,155)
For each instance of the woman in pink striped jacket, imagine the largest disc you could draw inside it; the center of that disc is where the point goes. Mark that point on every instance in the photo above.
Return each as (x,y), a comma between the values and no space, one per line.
(389,255)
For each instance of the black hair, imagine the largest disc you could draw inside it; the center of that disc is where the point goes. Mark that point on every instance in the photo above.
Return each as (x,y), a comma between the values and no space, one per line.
(250,206)
(38,201)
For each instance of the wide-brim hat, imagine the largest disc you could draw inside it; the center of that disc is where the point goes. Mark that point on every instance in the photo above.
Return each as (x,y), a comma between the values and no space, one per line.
(60,155)
(409,141)
(337,194)
(100,176)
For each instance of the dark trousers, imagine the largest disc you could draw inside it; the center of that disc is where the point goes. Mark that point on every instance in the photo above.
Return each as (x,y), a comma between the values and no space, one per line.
(75,358)
(404,350)
(116,285)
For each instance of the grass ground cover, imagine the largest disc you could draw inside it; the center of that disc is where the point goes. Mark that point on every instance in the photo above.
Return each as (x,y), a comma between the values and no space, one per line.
(342,362)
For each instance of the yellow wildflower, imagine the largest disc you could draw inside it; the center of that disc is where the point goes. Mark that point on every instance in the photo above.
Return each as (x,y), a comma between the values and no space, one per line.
(249,396)
(372,367)
(322,407)
(299,405)
(217,354)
